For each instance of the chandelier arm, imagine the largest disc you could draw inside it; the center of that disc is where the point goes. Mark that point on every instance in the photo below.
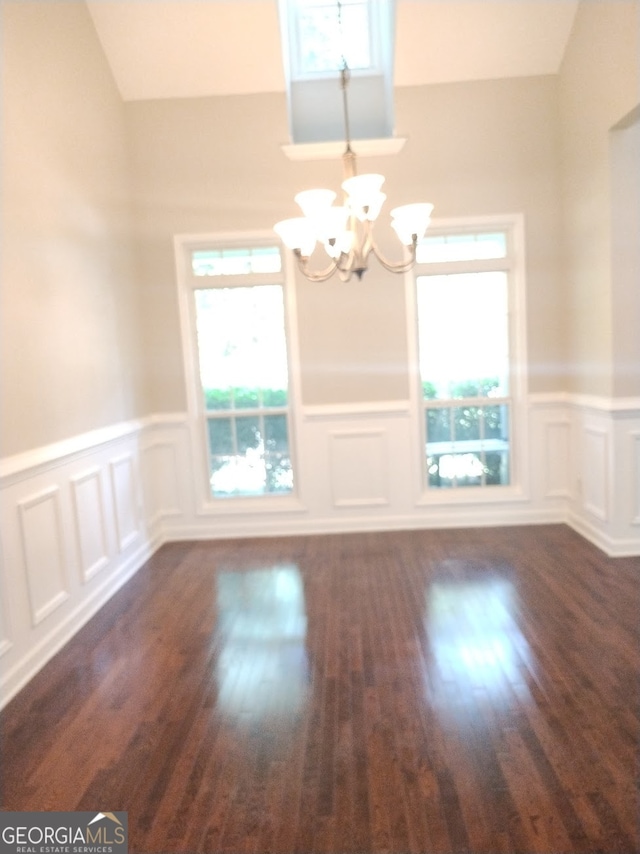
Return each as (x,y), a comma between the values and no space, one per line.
(317,276)
(344,262)
(345,274)
(398,266)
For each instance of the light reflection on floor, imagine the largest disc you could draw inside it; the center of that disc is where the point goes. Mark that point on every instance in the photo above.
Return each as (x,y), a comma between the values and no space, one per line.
(262,665)
(475,640)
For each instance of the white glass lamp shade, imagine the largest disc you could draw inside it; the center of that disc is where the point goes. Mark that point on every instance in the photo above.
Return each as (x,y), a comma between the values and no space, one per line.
(314,203)
(297,233)
(342,245)
(408,220)
(332,223)
(365,198)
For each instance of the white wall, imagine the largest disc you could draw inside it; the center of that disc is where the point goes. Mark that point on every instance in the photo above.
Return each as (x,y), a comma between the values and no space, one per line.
(624,153)
(599,86)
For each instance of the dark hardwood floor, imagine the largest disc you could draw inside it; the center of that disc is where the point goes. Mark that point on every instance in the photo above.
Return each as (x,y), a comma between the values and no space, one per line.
(433,691)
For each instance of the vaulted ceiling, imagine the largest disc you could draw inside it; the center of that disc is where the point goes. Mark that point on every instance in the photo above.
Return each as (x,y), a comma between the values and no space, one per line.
(191,48)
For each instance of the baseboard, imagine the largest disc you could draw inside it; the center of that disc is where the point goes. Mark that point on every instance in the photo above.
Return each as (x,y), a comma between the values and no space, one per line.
(360,524)
(629,547)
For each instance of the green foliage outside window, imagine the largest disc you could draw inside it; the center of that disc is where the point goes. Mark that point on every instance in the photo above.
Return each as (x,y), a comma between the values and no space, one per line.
(479,387)
(216,399)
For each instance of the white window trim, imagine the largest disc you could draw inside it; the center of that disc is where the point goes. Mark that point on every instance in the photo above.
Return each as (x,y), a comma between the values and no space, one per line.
(205,503)
(518,488)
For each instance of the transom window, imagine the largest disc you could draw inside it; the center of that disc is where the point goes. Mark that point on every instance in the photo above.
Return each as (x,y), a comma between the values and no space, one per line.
(236,262)
(322,36)
(464,306)
(243,372)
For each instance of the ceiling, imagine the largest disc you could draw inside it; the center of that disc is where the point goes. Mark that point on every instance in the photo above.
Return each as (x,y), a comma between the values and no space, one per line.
(192,48)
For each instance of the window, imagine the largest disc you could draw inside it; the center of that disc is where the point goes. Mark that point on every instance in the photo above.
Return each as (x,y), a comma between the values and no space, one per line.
(242,368)
(321,36)
(465,297)
(315,37)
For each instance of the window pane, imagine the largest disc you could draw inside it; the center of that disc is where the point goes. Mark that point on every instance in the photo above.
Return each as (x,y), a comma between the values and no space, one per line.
(461,247)
(496,422)
(435,475)
(438,425)
(279,474)
(467,446)
(266,260)
(466,421)
(277,457)
(220,436)
(322,39)
(217,398)
(206,263)
(241,339)
(243,369)
(276,433)
(238,475)
(274,397)
(496,468)
(246,398)
(463,334)
(236,262)
(248,434)
(448,470)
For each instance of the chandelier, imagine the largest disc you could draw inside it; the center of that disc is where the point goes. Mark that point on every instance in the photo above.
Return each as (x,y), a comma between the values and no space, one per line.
(346,231)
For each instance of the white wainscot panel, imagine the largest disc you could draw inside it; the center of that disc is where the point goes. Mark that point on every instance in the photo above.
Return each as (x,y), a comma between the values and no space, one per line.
(359,463)
(43,552)
(125,504)
(161,482)
(557,449)
(595,446)
(90,522)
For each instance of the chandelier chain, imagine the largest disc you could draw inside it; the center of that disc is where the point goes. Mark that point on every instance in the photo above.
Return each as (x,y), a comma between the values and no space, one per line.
(347,230)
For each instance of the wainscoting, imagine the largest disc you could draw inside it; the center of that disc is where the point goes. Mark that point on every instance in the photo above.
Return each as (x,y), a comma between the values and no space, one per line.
(74,530)
(79,518)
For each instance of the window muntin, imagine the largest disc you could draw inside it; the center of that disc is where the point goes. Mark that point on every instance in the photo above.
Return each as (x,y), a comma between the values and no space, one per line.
(242,357)
(465,360)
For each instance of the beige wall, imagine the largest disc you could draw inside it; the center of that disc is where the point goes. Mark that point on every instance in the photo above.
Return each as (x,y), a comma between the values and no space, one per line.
(625,250)
(216,164)
(85,344)
(70,360)
(599,86)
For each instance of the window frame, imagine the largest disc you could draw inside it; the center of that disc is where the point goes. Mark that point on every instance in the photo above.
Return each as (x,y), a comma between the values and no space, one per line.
(514,266)
(197,414)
